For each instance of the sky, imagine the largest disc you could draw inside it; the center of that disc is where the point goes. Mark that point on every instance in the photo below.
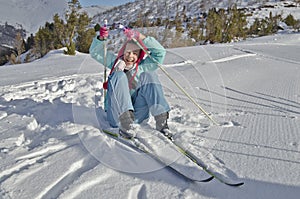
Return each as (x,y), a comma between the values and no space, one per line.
(103,2)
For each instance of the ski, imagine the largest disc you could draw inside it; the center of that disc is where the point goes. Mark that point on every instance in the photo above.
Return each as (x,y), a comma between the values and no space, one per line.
(187,153)
(182,165)
(194,159)
(223,179)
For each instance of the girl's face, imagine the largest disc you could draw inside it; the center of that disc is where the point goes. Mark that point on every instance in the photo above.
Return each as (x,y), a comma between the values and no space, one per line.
(131,54)
(131,57)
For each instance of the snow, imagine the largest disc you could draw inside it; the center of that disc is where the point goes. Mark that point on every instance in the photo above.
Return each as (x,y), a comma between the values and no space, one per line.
(51,109)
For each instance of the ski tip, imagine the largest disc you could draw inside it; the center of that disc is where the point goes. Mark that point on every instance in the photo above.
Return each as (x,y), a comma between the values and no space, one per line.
(235,184)
(208,179)
(198,180)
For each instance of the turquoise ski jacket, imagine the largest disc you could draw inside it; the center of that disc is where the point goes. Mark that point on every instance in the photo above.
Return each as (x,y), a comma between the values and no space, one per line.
(157,51)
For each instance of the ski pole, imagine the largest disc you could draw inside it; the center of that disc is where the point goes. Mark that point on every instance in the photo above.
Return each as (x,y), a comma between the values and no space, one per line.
(177,84)
(105,55)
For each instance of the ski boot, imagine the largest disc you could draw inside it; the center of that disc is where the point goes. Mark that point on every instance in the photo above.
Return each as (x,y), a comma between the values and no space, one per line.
(162,124)
(126,120)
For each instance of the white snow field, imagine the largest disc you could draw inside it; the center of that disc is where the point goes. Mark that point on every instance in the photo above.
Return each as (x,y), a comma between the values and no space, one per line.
(51,112)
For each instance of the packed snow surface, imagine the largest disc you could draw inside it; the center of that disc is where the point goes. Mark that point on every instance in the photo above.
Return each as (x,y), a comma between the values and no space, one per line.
(51,111)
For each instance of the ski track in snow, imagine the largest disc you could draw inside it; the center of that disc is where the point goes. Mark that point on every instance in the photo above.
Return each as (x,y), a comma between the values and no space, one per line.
(225,59)
(2,115)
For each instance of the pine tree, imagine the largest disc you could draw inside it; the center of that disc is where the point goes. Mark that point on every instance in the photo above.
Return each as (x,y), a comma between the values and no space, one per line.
(236,24)
(71,18)
(210,25)
(196,30)
(84,35)
(30,42)
(266,26)
(290,21)
(44,40)
(255,27)
(59,28)
(214,25)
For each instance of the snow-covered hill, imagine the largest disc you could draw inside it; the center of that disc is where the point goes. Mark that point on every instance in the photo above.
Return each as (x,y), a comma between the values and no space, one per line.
(167,9)
(50,111)
(31,14)
(95,9)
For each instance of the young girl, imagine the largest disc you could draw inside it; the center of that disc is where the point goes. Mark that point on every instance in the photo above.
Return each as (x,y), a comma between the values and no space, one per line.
(133,88)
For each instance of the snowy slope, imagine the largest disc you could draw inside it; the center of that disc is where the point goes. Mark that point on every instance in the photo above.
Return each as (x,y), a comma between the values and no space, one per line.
(167,9)
(50,111)
(95,9)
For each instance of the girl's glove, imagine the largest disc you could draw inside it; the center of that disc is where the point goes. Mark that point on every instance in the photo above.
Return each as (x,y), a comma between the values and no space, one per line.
(103,32)
(130,34)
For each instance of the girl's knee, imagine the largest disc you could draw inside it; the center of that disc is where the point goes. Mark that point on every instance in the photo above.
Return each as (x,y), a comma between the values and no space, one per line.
(149,77)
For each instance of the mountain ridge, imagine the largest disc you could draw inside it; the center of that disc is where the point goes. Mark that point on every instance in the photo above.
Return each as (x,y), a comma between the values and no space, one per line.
(29,15)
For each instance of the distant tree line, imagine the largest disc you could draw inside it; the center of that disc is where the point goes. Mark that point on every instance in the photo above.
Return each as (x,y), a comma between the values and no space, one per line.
(213,26)
(217,25)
